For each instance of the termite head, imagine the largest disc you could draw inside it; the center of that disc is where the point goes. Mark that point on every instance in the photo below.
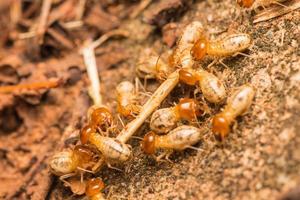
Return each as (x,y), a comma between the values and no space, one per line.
(152,66)
(199,49)
(245,3)
(188,77)
(94,186)
(148,143)
(100,118)
(220,126)
(85,133)
(84,153)
(125,87)
(64,162)
(188,109)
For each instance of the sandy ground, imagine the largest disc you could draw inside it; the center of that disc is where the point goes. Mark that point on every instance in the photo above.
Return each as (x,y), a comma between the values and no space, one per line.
(259,160)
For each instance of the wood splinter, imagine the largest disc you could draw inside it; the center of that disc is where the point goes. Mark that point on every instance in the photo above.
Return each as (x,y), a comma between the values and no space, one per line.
(31,86)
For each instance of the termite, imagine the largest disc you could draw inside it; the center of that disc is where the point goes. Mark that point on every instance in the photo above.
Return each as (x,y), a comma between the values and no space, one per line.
(212,88)
(237,104)
(227,46)
(165,119)
(94,189)
(112,149)
(152,66)
(259,3)
(181,56)
(100,118)
(127,99)
(68,163)
(178,139)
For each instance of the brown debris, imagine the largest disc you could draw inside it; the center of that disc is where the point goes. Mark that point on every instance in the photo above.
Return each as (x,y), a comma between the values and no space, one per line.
(10,120)
(100,19)
(293,194)
(8,74)
(111,58)
(170,34)
(163,12)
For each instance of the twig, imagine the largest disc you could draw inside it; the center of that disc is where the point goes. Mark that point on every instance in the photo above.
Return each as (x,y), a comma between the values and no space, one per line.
(30,86)
(41,29)
(276,11)
(72,24)
(140,8)
(15,12)
(152,104)
(60,38)
(80,9)
(91,66)
(26,35)
(106,36)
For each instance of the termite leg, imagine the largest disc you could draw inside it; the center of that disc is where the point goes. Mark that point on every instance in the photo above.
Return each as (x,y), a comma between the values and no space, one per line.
(222,63)
(212,63)
(136,137)
(242,54)
(134,115)
(196,149)
(145,82)
(110,166)
(280,4)
(138,84)
(85,170)
(97,166)
(104,133)
(66,176)
(234,126)
(121,121)
(166,154)
(169,152)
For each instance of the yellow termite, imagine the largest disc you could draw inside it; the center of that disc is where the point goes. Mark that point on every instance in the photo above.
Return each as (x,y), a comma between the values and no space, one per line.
(178,139)
(211,87)
(227,46)
(253,4)
(112,149)
(70,162)
(127,99)
(152,66)
(237,104)
(165,119)
(94,189)
(181,56)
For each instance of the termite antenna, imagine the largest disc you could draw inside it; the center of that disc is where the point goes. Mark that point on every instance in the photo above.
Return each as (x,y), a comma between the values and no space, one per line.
(136,137)
(280,4)
(196,149)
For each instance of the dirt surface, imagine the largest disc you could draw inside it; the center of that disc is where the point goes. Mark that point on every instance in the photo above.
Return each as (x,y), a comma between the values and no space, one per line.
(259,160)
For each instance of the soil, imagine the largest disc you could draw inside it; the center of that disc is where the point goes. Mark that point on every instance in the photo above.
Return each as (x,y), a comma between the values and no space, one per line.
(260,159)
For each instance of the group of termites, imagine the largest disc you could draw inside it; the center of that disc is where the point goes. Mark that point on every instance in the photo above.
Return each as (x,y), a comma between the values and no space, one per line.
(173,128)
